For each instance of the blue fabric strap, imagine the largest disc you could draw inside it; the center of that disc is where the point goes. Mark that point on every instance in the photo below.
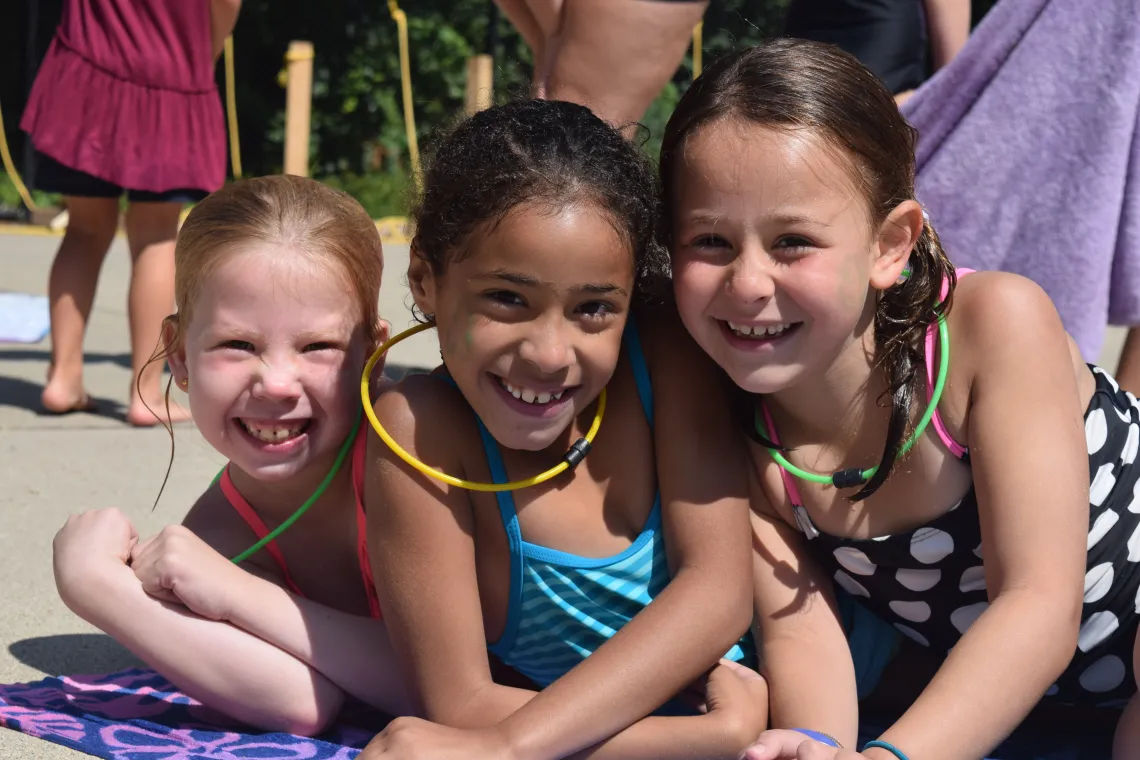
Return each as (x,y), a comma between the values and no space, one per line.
(640,371)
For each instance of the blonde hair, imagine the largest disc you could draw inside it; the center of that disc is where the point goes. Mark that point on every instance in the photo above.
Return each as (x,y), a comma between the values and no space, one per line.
(304,214)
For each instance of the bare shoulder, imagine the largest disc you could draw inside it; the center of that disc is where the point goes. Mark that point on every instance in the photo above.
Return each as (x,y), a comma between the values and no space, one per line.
(674,359)
(664,338)
(993,307)
(429,417)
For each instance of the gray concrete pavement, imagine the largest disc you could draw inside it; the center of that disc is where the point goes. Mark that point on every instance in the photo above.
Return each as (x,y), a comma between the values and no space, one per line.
(53,466)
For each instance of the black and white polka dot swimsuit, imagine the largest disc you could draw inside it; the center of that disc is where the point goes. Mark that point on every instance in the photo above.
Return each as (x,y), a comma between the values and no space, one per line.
(929,582)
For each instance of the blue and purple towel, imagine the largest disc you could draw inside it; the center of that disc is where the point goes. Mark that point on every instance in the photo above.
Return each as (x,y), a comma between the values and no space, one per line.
(138,715)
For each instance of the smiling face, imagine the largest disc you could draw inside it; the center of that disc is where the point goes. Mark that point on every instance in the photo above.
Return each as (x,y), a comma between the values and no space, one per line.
(775,257)
(530,317)
(273,353)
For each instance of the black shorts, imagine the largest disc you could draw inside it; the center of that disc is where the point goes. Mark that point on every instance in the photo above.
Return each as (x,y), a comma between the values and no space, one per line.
(54,177)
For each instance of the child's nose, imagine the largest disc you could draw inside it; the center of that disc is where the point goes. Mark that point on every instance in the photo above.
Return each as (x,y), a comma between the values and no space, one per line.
(278,380)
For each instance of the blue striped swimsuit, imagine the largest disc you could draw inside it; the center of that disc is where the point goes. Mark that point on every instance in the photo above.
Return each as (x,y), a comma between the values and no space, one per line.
(562,607)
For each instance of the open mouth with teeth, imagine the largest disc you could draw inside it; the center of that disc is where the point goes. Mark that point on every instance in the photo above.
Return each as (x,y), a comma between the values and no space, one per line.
(761,332)
(533,401)
(274,433)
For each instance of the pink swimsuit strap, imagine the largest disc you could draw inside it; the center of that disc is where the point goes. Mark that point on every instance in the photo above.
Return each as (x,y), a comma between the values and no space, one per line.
(257,525)
(955,448)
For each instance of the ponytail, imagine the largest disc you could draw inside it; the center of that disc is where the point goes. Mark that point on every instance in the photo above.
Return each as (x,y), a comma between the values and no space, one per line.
(902,317)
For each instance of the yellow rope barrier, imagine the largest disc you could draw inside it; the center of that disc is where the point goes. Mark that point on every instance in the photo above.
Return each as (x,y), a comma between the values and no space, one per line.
(401,20)
(231,108)
(10,167)
(698,31)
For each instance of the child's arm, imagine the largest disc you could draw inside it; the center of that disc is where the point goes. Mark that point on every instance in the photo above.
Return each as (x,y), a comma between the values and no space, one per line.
(350,650)
(732,690)
(804,650)
(421,535)
(1030,467)
(213,662)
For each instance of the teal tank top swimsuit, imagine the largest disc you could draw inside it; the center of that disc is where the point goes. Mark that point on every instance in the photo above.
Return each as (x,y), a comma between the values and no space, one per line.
(562,607)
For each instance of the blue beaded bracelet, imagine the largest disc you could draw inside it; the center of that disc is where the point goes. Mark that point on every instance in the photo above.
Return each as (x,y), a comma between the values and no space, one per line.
(819,737)
(888,747)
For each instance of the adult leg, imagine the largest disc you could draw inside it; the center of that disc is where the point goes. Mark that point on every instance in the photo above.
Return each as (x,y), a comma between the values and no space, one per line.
(71,291)
(538,22)
(151,230)
(615,55)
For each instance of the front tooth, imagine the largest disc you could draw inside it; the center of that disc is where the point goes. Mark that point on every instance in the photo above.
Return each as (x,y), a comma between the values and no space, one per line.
(528,396)
(543,398)
(516,393)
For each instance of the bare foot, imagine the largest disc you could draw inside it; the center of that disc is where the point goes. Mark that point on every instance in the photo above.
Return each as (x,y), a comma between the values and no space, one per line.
(140,416)
(58,399)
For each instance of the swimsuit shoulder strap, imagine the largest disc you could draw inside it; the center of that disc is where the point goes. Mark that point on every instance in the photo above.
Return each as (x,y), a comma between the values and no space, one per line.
(954,447)
(256,524)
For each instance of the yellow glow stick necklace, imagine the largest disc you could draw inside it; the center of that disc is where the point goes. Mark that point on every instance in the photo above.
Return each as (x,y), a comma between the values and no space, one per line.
(573,457)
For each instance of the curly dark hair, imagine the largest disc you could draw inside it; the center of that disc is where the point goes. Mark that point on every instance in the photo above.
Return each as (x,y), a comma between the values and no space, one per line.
(800,85)
(543,152)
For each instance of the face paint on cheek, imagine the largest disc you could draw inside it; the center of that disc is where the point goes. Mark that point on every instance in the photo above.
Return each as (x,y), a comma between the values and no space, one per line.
(469,333)
(452,342)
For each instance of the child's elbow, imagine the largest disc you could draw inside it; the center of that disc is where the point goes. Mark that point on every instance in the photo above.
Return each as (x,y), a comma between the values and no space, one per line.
(306,717)
(307,724)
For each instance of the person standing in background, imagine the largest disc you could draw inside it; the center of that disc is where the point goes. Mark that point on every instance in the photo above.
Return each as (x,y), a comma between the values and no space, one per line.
(901,41)
(125,102)
(613,56)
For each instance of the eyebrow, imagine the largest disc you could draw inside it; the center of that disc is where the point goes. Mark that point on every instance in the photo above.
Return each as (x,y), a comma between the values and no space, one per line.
(523,280)
(780,217)
(787,217)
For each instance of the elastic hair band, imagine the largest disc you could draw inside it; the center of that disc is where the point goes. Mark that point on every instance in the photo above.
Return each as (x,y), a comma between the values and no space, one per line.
(887,746)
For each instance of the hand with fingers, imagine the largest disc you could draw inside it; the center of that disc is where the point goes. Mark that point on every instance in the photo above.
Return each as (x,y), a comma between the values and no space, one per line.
(179,567)
(793,744)
(87,545)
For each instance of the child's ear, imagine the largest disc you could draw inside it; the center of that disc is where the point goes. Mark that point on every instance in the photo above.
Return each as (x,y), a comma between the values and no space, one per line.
(423,282)
(383,332)
(175,348)
(897,237)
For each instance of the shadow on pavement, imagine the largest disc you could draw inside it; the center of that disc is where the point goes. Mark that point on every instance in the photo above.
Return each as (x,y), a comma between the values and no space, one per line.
(24,394)
(73,654)
(44,355)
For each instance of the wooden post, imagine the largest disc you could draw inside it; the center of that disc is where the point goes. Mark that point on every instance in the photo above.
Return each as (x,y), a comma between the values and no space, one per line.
(480,83)
(298,104)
